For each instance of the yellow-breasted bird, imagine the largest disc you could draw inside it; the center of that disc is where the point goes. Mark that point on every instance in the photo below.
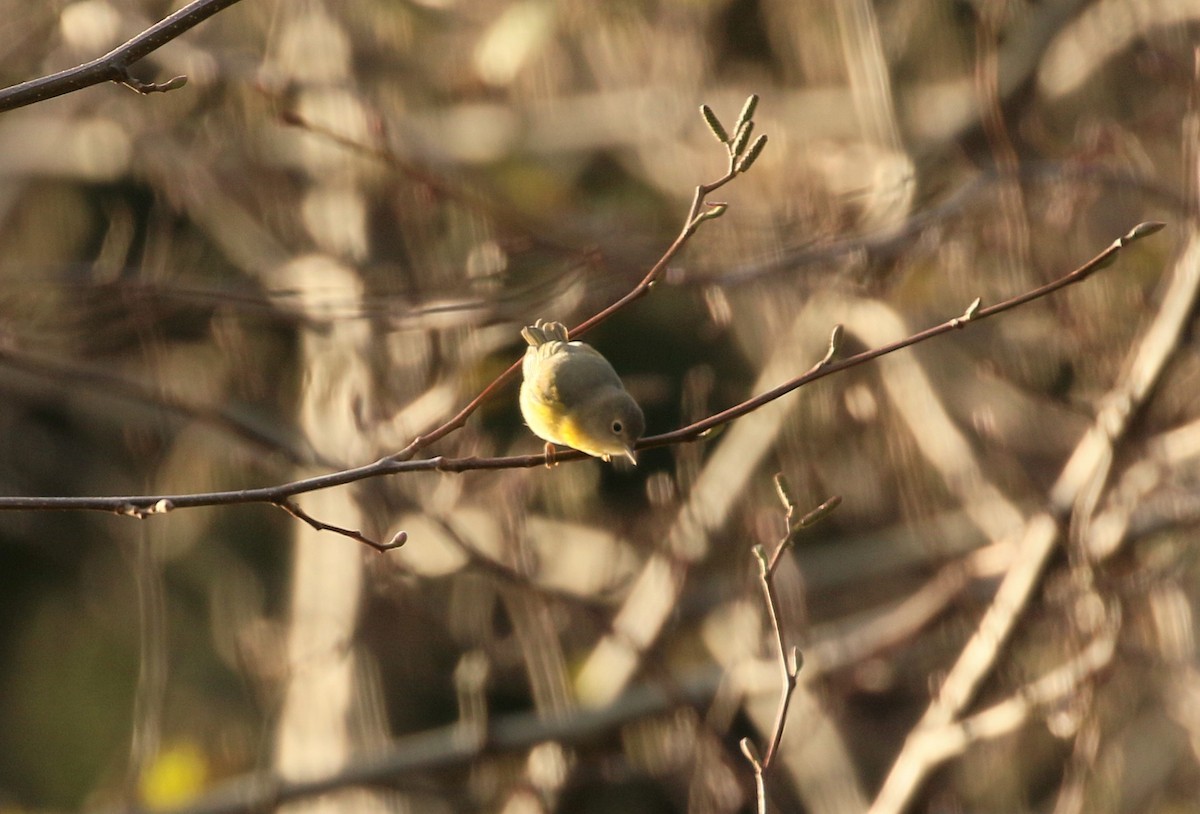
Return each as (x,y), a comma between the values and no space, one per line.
(571,396)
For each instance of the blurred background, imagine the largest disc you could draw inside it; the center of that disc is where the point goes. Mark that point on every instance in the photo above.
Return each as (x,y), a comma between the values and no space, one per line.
(326,243)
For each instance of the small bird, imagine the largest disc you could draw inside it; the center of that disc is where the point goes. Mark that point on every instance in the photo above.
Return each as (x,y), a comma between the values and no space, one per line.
(571,396)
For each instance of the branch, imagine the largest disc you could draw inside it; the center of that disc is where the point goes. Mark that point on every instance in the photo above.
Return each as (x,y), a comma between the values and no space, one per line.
(790,660)
(401,462)
(932,746)
(114,66)
(447,747)
(973,313)
(398,539)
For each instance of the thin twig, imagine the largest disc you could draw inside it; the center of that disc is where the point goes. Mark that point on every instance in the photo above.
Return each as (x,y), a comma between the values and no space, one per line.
(973,313)
(114,66)
(399,539)
(789,661)
(789,664)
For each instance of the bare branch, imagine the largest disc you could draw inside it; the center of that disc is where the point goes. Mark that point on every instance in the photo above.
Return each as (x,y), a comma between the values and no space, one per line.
(789,660)
(823,368)
(398,539)
(447,746)
(114,66)
(1075,491)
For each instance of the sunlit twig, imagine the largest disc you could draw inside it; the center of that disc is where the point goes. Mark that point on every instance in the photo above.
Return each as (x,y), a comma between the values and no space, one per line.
(789,660)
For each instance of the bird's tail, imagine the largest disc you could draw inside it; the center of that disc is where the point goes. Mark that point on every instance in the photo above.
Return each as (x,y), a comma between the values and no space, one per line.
(541,332)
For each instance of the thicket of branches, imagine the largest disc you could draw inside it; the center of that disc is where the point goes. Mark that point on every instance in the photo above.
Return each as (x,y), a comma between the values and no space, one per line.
(289,272)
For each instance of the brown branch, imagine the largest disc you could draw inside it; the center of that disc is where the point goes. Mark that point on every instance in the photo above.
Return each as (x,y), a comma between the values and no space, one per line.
(790,661)
(401,462)
(114,66)
(973,313)
(398,539)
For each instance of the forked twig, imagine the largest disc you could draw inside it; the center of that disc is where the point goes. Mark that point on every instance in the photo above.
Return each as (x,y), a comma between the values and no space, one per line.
(790,660)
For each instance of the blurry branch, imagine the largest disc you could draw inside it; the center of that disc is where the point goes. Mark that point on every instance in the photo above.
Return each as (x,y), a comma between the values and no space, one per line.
(114,66)
(1158,343)
(473,736)
(108,386)
(1075,495)
(1024,45)
(1088,472)
(1098,32)
(789,660)
(837,645)
(457,744)
(461,194)
(889,242)
(741,155)
(934,746)
(1149,497)
(281,495)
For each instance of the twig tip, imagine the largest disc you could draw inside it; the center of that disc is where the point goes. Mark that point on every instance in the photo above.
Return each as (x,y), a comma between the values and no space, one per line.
(751,752)
(714,124)
(1145,229)
(795,661)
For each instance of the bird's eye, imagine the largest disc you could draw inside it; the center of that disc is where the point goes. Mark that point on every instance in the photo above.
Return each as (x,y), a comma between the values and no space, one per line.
(617,427)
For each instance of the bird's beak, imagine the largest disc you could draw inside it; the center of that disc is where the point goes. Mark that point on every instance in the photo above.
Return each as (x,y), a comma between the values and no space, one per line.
(631,455)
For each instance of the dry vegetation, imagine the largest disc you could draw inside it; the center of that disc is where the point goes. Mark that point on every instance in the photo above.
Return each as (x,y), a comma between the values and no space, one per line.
(322,247)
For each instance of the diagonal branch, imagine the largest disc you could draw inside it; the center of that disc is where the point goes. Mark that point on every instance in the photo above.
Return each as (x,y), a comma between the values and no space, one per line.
(114,66)
(973,313)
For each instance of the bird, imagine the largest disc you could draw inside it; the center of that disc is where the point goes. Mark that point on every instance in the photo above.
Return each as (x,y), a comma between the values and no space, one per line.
(572,396)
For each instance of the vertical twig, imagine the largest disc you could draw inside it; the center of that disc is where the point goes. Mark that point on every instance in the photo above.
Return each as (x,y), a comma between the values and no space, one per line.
(790,659)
